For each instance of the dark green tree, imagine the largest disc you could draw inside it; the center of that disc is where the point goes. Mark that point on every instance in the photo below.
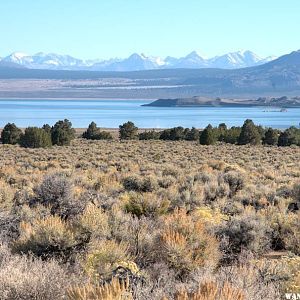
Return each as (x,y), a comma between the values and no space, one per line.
(222,129)
(62,133)
(271,137)
(149,135)
(91,132)
(222,126)
(94,133)
(47,128)
(165,135)
(249,134)
(192,135)
(231,135)
(128,131)
(177,133)
(35,137)
(11,134)
(290,136)
(208,136)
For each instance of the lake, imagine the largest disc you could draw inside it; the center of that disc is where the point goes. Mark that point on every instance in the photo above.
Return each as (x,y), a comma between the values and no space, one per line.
(112,113)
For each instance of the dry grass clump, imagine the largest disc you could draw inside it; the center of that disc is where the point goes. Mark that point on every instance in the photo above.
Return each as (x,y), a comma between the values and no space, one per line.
(104,257)
(6,196)
(115,290)
(93,222)
(211,291)
(146,204)
(185,244)
(45,237)
(167,216)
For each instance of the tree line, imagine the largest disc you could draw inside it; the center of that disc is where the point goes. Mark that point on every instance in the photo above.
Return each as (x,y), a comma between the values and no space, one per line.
(62,133)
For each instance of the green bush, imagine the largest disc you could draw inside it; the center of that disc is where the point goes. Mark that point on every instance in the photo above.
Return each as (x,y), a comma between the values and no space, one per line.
(11,134)
(192,134)
(35,137)
(231,135)
(62,133)
(128,131)
(94,133)
(290,136)
(149,135)
(46,237)
(271,137)
(138,184)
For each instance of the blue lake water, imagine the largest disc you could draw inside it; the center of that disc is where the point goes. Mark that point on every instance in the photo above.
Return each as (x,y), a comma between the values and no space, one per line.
(112,113)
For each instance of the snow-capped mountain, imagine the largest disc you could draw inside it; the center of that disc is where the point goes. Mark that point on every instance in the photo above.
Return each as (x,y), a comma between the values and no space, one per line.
(240,59)
(44,61)
(136,62)
(192,60)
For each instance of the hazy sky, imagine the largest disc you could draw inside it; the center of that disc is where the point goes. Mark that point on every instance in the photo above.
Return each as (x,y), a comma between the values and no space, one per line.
(117,28)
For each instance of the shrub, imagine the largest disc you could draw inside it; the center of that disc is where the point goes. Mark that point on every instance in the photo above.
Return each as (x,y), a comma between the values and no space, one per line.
(11,134)
(148,205)
(185,245)
(291,233)
(91,132)
(45,237)
(6,196)
(192,135)
(177,133)
(128,131)
(271,137)
(94,133)
(56,192)
(231,135)
(290,136)
(235,181)
(115,290)
(246,232)
(135,183)
(93,223)
(35,137)
(214,190)
(149,135)
(22,277)
(249,134)
(62,133)
(211,290)
(47,128)
(104,257)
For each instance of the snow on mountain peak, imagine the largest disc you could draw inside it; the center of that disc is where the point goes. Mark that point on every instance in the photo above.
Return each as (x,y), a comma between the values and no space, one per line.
(232,60)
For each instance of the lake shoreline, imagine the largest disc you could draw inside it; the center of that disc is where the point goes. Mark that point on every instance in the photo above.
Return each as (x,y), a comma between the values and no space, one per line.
(109,114)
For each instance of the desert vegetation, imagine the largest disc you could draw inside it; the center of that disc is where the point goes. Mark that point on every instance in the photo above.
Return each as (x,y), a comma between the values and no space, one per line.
(148,219)
(62,134)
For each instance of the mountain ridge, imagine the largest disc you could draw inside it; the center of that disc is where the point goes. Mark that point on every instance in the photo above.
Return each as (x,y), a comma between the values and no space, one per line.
(280,77)
(136,62)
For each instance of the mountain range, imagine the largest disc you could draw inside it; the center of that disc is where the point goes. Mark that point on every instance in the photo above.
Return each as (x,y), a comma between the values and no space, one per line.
(136,62)
(279,77)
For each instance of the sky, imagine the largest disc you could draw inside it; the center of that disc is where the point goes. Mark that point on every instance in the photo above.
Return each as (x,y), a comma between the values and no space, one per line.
(104,29)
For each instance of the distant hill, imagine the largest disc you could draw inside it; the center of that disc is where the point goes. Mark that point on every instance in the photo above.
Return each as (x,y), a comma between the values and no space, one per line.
(275,78)
(283,102)
(10,65)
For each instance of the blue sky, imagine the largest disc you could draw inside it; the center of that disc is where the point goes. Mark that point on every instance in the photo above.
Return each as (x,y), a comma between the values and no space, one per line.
(117,28)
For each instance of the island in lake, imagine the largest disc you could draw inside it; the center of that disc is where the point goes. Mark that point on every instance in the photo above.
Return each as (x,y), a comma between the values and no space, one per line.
(282,102)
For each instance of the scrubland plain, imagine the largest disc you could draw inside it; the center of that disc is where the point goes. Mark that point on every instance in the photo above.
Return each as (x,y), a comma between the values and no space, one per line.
(149,220)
